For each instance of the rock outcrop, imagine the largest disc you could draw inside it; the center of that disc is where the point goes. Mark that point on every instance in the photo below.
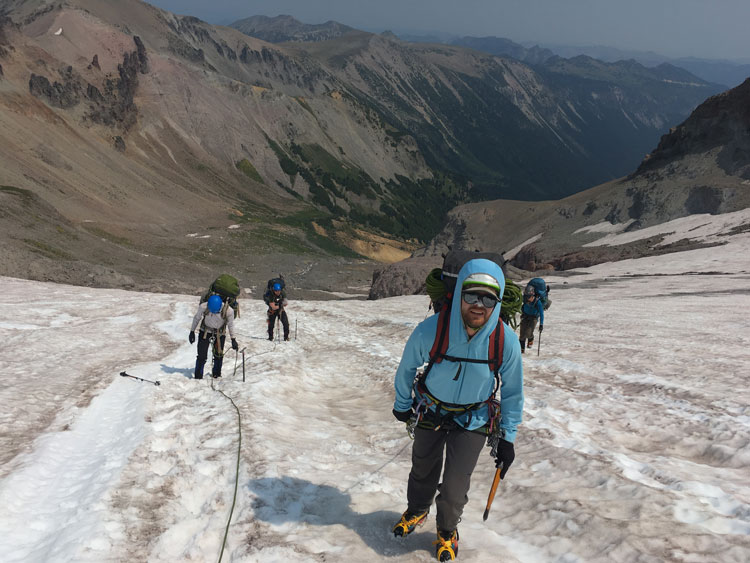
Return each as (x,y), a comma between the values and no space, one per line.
(722,121)
(64,95)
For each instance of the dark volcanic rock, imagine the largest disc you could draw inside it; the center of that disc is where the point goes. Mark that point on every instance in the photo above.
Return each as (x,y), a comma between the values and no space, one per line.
(721,121)
(140,51)
(704,199)
(403,278)
(116,106)
(183,49)
(61,95)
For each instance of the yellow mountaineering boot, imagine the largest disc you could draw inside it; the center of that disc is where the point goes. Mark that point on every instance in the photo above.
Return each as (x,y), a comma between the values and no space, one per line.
(408,523)
(447,545)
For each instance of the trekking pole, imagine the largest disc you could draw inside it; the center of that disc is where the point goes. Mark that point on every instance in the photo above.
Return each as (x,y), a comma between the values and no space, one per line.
(493,490)
(539,344)
(236,355)
(295,329)
(243,365)
(123,374)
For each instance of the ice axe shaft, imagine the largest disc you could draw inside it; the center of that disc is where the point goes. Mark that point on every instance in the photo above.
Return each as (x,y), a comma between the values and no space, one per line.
(493,490)
(123,374)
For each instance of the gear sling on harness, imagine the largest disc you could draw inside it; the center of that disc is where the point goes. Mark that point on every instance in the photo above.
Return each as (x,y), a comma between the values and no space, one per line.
(438,354)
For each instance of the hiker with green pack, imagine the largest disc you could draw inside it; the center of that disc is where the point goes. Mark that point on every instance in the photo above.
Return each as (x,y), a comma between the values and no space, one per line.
(214,318)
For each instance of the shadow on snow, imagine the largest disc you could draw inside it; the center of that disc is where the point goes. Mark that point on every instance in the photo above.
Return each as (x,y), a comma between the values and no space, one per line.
(287,499)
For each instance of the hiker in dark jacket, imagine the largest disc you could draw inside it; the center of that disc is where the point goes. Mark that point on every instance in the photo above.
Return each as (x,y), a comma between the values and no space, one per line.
(215,318)
(452,402)
(277,302)
(531,312)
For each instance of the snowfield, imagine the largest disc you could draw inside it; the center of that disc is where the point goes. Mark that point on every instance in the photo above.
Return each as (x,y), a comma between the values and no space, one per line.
(635,444)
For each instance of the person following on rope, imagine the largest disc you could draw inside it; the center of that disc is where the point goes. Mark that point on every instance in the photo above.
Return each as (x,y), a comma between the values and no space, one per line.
(452,405)
(275,298)
(215,318)
(531,312)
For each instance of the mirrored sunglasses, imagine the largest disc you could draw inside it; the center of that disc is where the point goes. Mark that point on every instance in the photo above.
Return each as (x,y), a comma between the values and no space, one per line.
(484,299)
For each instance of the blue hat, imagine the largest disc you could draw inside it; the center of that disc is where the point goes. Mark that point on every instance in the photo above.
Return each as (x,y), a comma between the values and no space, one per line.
(276,286)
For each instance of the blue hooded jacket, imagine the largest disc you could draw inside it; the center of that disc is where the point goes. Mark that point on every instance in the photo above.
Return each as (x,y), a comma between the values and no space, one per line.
(535,309)
(465,383)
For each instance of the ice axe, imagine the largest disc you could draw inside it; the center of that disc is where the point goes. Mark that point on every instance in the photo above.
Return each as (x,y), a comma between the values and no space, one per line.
(493,490)
(123,374)
(539,344)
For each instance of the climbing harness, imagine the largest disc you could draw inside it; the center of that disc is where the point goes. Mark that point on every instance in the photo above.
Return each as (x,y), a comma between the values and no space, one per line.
(430,412)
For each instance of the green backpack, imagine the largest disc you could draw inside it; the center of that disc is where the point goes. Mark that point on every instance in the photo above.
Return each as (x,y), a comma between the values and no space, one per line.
(228,288)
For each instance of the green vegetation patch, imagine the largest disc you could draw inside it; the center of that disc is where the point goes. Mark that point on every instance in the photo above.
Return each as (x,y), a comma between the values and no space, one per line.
(413,208)
(27,196)
(247,168)
(267,239)
(335,176)
(47,250)
(304,220)
(287,164)
(301,101)
(101,233)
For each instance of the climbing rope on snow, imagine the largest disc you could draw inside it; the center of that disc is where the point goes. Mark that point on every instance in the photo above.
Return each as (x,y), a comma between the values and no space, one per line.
(375,471)
(237,468)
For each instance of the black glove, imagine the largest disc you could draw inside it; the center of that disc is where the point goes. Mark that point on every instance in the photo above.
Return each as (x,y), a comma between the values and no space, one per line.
(234,345)
(403,416)
(191,337)
(541,328)
(504,456)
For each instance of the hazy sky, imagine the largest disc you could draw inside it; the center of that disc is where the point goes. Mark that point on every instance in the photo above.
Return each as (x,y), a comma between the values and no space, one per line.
(700,28)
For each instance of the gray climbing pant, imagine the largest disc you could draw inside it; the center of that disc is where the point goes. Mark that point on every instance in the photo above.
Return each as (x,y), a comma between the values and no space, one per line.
(462,449)
(528,324)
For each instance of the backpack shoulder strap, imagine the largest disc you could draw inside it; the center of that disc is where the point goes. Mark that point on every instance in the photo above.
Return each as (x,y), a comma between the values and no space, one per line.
(495,352)
(440,344)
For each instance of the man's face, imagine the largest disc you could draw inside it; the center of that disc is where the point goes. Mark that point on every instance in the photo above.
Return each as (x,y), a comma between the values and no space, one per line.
(476,315)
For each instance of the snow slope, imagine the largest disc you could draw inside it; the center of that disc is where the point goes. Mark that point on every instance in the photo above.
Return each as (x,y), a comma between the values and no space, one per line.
(635,444)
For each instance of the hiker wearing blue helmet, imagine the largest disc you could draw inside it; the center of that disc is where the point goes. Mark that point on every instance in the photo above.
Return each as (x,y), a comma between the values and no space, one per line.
(473,367)
(275,298)
(215,318)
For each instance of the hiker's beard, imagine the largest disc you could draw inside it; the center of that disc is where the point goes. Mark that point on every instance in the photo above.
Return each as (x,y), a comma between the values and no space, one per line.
(475,321)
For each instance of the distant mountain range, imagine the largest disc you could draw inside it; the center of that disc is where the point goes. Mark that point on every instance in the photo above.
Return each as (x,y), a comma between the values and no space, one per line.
(286,28)
(719,71)
(723,72)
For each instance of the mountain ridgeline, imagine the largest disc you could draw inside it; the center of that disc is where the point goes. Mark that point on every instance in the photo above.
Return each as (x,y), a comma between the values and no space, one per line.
(130,128)
(505,128)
